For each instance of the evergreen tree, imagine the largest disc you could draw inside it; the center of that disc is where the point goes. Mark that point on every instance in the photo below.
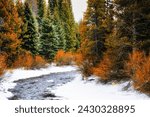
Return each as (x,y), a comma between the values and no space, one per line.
(10,24)
(41,8)
(59,32)
(95,30)
(41,11)
(59,29)
(66,16)
(30,37)
(53,5)
(49,40)
(134,21)
(53,36)
(20,9)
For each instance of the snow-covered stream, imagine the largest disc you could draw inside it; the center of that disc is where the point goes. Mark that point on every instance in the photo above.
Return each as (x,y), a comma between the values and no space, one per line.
(53,83)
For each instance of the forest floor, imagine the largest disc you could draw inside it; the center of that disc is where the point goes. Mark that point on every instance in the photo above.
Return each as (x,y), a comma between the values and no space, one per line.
(61,83)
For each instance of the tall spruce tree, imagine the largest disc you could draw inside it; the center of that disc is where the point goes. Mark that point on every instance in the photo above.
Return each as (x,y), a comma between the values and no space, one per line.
(41,8)
(49,40)
(59,30)
(10,24)
(134,21)
(95,30)
(30,37)
(41,12)
(54,12)
(21,13)
(66,16)
(50,35)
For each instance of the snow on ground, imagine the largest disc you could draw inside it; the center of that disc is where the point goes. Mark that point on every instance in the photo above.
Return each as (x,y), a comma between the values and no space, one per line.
(9,77)
(86,90)
(76,89)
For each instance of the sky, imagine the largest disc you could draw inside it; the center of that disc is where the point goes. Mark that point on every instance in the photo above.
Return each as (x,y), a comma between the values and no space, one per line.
(79,7)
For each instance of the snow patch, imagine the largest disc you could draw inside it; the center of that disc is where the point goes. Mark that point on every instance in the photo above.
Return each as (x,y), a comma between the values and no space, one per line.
(86,90)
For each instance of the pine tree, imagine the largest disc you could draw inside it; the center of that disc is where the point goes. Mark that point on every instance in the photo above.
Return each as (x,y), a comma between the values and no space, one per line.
(10,24)
(30,37)
(41,11)
(41,8)
(59,32)
(95,30)
(53,5)
(20,9)
(49,40)
(134,21)
(50,37)
(66,16)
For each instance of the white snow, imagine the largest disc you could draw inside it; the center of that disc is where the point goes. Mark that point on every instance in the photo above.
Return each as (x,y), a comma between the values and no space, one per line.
(10,76)
(77,89)
(87,90)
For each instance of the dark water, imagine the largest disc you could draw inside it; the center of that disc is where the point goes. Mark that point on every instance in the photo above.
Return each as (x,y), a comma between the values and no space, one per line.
(39,88)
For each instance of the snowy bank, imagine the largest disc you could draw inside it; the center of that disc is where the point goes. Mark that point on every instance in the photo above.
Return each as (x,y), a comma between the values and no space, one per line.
(7,82)
(77,89)
(91,90)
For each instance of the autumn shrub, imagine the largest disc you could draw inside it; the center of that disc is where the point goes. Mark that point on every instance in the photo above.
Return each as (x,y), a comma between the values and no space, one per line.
(85,57)
(19,61)
(63,58)
(28,61)
(39,62)
(138,68)
(3,64)
(78,59)
(103,69)
(25,59)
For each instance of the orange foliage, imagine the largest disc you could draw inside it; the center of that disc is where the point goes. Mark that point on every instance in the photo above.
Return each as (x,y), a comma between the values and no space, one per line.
(27,60)
(63,58)
(24,60)
(78,58)
(138,67)
(39,62)
(103,69)
(11,24)
(136,59)
(83,29)
(86,48)
(3,65)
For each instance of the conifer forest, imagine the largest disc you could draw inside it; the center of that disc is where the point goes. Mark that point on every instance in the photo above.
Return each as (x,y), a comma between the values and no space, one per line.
(112,41)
